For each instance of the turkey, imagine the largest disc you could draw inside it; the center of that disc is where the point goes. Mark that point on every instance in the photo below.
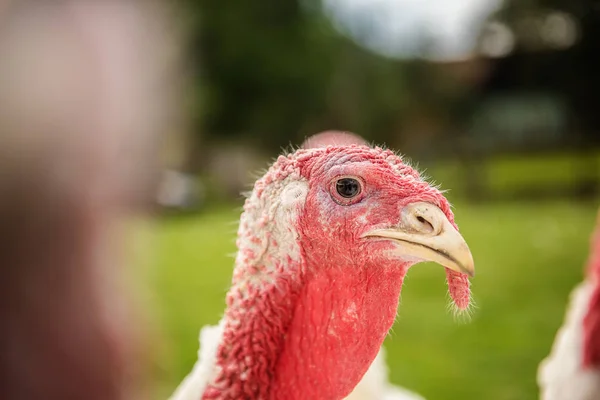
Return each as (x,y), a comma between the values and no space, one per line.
(572,370)
(325,240)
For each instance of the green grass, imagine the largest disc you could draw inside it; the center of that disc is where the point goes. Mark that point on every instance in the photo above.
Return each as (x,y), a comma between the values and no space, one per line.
(528,258)
(505,173)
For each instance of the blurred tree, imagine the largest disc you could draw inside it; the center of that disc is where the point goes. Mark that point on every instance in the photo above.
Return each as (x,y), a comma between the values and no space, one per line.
(274,72)
(264,68)
(541,96)
(556,46)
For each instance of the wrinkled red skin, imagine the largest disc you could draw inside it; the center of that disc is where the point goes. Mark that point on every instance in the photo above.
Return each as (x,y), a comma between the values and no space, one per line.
(314,332)
(591,322)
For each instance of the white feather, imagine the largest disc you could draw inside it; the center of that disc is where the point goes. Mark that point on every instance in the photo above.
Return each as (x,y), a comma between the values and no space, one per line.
(375,385)
(194,384)
(560,375)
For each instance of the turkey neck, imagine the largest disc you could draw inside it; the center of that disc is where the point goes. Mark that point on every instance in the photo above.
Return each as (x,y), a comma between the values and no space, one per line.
(313,337)
(255,325)
(341,318)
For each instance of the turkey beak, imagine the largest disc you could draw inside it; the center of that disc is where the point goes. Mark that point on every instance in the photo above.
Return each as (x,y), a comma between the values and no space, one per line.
(426,235)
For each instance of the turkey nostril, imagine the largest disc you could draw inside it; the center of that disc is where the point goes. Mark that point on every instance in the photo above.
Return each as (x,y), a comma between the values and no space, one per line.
(427,225)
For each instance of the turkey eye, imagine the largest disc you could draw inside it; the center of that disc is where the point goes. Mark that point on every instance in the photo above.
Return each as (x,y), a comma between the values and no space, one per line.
(347,187)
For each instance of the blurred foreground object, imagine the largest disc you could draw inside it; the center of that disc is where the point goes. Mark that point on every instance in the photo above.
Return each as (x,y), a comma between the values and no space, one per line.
(85,93)
(572,370)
